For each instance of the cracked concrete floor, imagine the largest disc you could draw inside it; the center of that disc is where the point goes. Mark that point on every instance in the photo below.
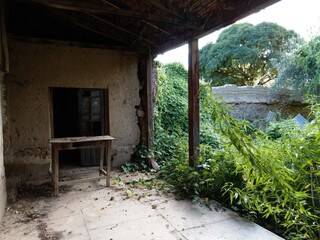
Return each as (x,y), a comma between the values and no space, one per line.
(123,211)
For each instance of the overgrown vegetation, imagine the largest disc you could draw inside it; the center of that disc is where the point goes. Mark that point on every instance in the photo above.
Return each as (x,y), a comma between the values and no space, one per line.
(299,72)
(171,114)
(272,176)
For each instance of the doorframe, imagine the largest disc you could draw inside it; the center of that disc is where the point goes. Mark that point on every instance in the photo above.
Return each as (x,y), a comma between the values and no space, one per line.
(106,110)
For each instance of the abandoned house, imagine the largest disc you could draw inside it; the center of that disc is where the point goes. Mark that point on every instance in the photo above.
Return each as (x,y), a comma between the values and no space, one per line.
(84,68)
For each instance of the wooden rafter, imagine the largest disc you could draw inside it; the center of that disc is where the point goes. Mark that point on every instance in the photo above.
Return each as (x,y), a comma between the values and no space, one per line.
(91,24)
(104,21)
(136,24)
(80,6)
(4,52)
(235,10)
(169,8)
(144,21)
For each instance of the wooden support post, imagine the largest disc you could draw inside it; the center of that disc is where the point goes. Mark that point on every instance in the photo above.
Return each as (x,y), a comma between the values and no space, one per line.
(193,98)
(149,114)
(145,111)
(4,52)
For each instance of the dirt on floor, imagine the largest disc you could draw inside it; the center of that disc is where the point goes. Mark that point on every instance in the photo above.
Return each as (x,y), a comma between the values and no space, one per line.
(34,201)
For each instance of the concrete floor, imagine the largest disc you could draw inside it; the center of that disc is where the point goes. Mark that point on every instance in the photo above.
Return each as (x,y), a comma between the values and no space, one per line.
(124,211)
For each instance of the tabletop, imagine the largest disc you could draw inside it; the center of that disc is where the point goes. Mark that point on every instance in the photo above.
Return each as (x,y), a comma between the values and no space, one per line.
(81,139)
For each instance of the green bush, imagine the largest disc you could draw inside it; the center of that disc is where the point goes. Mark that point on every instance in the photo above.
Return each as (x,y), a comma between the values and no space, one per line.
(281,177)
(206,180)
(277,178)
(281,128)
(273,174)
(171,113)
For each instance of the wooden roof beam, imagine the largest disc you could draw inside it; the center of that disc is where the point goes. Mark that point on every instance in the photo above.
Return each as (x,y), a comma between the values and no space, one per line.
(102,20)
(86,7)
(169,9)
(144,21)
(235,11)
(85,21)
(72,43)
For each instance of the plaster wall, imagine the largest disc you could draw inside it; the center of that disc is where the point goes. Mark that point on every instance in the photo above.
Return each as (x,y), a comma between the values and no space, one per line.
(254,103)
(36,67)
(3,192)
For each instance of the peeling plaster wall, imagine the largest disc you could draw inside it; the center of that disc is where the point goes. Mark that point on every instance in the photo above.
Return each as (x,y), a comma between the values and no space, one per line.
(3,192)
(254,103)
(36,67)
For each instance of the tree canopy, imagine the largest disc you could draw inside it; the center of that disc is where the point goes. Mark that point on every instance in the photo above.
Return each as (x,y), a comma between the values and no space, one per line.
(245,54)
(299,73)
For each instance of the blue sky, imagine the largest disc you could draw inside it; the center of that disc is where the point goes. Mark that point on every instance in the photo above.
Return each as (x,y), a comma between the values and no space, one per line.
(298,15)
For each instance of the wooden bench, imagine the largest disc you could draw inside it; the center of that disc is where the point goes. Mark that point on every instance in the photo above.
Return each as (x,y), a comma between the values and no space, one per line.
(69,143)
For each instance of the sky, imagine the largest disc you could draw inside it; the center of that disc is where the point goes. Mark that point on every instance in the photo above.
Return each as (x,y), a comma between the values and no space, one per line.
(300,16)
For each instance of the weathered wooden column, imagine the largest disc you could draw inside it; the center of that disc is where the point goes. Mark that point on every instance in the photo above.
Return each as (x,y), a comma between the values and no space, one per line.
(4,52)
(193,98)
(150,107)
(145,112)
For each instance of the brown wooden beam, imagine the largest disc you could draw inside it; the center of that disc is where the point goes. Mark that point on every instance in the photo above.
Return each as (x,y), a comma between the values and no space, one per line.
(193,97)
(73,43)
(92,24)
(102,20)
(229,14)
(141,109)
(149,113)
(81,6)
(167,8)
(4,52)
(145,110)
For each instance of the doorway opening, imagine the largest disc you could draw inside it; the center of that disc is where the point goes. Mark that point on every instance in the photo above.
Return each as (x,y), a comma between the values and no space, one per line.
(79,112)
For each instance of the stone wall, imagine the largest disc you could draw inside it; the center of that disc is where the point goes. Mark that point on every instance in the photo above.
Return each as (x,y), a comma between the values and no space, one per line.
(37,67)
(3,192)
(254,103)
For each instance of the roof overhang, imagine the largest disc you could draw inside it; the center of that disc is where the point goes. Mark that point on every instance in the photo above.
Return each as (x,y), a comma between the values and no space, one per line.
(141,26)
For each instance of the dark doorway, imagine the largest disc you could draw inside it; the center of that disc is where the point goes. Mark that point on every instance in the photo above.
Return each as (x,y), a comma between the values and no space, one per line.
(79,112)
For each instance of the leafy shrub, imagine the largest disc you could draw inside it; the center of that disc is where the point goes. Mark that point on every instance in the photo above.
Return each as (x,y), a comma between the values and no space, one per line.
(274,174)
(206,180)
(281,177)
(171,113)
(276,178)
(280,128)
(138,161)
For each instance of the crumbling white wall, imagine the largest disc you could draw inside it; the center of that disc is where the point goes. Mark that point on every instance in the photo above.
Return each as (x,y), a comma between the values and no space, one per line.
(36,67)
(3,192)
(254,102)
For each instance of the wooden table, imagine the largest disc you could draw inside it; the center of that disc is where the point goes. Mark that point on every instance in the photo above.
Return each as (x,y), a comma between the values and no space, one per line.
(68,143)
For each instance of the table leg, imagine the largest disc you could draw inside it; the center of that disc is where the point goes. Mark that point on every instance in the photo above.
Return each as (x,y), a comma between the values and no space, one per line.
(55,169)
(108,160)
(102,154)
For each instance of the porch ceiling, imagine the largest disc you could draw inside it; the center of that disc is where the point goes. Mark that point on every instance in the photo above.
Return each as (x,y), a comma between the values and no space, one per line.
(130,25)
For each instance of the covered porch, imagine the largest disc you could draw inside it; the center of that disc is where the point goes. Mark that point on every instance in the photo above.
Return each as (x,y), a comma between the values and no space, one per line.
(107,45)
